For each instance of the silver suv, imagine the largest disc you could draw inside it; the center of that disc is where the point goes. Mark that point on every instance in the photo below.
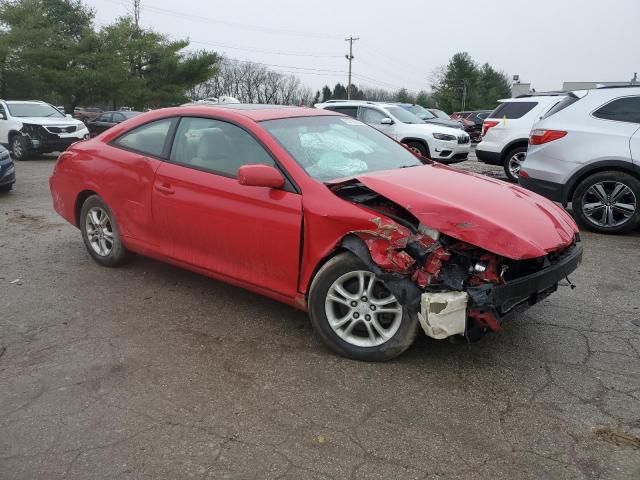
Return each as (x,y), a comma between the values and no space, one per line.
(586,150)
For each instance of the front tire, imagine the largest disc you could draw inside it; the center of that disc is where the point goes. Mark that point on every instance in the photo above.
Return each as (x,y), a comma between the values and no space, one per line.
(100,233)
(419,148)
(513,163)
(19,148)
(355,315)
(608,202)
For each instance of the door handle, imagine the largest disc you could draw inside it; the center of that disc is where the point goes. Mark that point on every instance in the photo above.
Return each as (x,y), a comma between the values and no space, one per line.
(165,188)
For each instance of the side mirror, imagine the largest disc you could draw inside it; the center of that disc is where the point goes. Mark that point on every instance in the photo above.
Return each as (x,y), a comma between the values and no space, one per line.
(386,121)
(260,176)
(2,116)
(68,115)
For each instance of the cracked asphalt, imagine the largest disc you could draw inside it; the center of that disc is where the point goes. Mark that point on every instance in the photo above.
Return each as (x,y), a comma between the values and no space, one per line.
(151,372)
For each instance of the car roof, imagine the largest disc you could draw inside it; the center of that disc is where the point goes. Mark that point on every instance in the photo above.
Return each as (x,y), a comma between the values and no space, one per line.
(26,101)
(260,112)
(530,98)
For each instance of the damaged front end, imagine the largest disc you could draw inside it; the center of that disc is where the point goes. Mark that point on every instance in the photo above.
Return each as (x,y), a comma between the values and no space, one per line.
(453,287)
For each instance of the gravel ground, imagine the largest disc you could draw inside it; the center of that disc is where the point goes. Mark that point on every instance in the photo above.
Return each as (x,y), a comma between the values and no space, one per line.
(151,372)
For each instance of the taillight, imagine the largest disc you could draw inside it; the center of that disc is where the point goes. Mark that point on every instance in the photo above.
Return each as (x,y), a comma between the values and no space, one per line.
(538,137)
(486,125)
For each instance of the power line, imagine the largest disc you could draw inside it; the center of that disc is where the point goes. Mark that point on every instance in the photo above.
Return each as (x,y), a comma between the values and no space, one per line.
(261,50)
(200,18)
(401,65)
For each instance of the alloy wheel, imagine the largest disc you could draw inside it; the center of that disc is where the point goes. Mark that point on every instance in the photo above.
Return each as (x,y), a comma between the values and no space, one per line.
(16,148)
(361,311)
(99,231)
(609,203)
(515,163)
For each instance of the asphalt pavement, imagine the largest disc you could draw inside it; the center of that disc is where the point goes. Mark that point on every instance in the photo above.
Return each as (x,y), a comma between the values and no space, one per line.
(151,372)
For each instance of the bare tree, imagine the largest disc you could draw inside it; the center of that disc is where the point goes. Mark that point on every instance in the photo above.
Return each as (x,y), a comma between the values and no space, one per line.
(252,82)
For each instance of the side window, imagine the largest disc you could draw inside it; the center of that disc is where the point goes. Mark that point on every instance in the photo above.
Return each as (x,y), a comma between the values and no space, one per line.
(3,114)
(105,117)
(216,146)
(621,110)
(149,139)
(118,117)
(371,116)
(351,111)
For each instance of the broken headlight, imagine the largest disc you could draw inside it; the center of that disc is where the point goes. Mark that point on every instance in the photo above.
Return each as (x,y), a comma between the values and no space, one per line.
(429,232)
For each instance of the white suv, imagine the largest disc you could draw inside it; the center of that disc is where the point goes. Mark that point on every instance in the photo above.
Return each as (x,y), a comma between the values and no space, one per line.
(28,127)
(587,151)
(444,144)
(505,132)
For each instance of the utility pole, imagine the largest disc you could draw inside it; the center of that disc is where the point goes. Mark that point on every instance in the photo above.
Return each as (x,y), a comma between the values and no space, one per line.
(464,94)
(136,14)
(350,58)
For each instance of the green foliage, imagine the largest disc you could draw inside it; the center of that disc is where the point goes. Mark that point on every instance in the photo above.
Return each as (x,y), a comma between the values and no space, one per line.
(326,93)
(403,96)
(425,99)
(339,92)
(50,49)
(462,79)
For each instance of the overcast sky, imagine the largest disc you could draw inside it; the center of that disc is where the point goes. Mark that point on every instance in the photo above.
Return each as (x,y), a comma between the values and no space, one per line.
(401,42)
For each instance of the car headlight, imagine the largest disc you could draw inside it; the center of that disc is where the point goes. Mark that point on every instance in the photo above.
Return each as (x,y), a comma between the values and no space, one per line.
(4,154)
(444,136)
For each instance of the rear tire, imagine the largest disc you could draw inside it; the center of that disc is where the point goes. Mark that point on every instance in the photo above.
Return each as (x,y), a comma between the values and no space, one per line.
(608,202)
(6,188)
(355,315)
(513,161)
(100,233)
(420,148)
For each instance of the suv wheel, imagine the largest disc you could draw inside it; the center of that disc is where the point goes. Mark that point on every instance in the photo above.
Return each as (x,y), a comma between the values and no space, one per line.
(355,315)
(19,147)
(608,202)
(513,163)
(419,148)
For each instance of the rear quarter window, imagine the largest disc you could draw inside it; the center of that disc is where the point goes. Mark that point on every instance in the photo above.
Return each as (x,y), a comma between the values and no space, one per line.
(351,111)
(513,110)
(625,109)
(561,105)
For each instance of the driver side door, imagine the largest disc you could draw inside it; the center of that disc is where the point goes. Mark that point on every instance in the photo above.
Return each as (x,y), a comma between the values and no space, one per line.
(208,220)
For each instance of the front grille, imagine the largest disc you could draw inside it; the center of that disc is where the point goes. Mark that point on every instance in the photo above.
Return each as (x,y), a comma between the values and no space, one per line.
(462,139)
(69,129)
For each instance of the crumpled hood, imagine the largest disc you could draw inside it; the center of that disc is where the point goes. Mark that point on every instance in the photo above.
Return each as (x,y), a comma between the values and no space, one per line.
(50,122)
(494,215)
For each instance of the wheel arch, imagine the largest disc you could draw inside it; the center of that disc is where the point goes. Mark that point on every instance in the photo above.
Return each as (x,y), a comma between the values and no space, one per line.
(337,250)
(12,133)
(417,140)
(520,142)
(80,199)
(597,167)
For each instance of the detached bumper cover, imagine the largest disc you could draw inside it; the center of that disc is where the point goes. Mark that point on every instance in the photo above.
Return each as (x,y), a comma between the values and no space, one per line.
(530,288)
(53,144)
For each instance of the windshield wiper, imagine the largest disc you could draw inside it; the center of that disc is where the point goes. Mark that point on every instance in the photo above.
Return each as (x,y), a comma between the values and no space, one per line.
(409,166)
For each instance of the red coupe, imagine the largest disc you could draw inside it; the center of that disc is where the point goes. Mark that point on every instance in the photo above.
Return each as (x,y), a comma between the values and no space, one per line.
(322,212)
